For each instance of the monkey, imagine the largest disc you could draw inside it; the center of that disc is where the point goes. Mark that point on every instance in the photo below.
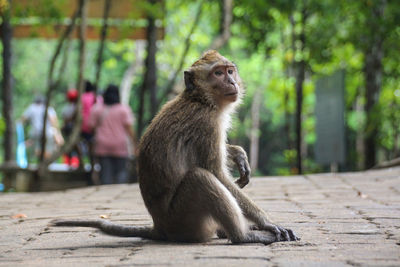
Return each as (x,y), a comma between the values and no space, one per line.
(183,171)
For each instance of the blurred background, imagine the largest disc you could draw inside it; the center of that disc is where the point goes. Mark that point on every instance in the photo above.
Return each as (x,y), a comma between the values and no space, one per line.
(321,76)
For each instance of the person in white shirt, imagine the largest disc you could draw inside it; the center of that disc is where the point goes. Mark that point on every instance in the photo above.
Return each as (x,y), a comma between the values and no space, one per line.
(34,115)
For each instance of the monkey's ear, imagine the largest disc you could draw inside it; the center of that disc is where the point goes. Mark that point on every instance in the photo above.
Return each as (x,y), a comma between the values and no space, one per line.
(189,78)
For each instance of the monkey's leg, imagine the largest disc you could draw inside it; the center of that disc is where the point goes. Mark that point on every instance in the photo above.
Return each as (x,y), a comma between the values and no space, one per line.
(221,234)
(238,156)
(257,215)
(201,197)
(109,228)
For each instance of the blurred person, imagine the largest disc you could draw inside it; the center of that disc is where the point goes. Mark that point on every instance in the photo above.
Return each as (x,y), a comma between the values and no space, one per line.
(88,100)
(69,117)
(112,123)
(34,115)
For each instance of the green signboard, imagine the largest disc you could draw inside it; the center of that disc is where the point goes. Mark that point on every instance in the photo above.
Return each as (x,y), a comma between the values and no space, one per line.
(330,124)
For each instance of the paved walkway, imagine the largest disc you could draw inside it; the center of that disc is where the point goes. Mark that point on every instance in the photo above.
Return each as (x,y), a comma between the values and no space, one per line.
(348,219)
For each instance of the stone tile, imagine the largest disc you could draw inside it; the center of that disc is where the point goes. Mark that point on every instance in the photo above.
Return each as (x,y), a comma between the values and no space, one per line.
(346,219)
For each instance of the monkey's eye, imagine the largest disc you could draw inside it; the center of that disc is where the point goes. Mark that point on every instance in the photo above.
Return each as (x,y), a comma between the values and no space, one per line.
(230,71)
(218,73)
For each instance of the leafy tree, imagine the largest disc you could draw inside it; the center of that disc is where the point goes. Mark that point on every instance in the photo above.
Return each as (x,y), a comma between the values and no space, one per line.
(7,91)
(372,29)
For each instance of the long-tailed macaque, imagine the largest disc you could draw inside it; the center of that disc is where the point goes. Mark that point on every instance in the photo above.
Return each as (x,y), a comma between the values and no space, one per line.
(183,175)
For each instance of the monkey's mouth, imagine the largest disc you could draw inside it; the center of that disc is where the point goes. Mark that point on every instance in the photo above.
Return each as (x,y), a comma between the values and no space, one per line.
(229,94)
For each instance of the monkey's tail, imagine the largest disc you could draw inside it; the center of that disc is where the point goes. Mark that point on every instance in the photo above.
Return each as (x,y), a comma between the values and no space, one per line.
(109,228)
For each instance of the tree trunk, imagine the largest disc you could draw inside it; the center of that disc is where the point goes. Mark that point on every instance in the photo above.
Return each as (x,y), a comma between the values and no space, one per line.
(300,76)
(127,80)
(360,145)
(395,126)
(170,85)
(373,82)
(140,122)
(225,27)
(286,126)
(7,93)
(82,12)
(75,135)
(373,76)
(150,76)
(151,67)
(299,111)
(219,41)
(290,72)
(64,60)
(255,129)
(50,82)
(99,60)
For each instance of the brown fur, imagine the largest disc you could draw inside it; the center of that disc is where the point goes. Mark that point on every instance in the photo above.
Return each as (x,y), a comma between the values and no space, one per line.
(182,164)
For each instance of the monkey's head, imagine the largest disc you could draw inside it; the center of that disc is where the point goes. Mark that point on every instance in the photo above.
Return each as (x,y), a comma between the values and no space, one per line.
(213,79)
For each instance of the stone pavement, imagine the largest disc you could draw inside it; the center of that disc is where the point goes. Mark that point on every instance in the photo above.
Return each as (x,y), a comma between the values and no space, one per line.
(347,219)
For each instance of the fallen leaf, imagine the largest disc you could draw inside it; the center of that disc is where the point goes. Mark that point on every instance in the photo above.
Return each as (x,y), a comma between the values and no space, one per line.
(104,216)
(360,194)
(19,216)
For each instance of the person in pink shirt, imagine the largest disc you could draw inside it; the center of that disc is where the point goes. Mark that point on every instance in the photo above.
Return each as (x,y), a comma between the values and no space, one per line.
(88,99)
(112,123)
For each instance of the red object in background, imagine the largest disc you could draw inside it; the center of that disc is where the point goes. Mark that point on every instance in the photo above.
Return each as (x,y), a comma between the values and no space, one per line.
(74,162)
(72,95)
(71,161)
(65,159)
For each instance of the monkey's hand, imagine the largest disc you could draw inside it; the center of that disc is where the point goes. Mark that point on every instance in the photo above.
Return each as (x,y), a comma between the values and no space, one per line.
(282,234)
(244,170)
(238,156)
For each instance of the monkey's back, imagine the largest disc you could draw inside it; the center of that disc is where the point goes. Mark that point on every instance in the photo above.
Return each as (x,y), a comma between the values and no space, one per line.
(182,136)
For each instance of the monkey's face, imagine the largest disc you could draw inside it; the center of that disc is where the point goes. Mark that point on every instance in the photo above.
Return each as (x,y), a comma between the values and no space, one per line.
(214,78)
(223,81)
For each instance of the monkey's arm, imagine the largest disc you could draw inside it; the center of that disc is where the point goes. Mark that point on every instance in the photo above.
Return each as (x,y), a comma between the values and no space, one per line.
(238,156)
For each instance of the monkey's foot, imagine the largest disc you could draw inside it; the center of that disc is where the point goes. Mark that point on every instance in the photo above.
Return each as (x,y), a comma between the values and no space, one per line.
(221,234)
(282,234)
(254,236)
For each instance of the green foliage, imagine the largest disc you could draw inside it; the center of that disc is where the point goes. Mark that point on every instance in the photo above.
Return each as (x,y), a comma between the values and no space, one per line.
(2,126)
(337,34)
(41,11)
(152,8)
